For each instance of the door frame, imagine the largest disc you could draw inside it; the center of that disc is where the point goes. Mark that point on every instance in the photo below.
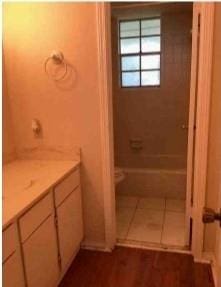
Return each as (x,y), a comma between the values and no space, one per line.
(206,9)
(103,11)
(199,108)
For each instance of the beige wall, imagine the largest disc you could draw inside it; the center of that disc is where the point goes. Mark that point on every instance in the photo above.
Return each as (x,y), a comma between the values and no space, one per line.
(8,145)
(155,115)
(214,154)
(69,112)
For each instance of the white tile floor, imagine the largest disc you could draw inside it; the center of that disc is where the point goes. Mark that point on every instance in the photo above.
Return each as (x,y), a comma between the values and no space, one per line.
(151,220)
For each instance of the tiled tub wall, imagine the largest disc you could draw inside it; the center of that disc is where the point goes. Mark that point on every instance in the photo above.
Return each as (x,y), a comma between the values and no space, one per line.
(153,183)
(156,115)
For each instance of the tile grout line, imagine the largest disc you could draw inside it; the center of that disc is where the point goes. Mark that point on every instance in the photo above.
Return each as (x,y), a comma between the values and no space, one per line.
(132,218)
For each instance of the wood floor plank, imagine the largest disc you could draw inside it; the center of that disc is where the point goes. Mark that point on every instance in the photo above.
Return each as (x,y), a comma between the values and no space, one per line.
(203,275)
(130,267)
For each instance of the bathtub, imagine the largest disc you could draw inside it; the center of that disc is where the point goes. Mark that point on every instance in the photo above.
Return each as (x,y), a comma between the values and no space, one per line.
(169,183)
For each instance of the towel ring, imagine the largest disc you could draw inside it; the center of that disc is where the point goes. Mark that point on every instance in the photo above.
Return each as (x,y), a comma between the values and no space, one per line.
(58,59)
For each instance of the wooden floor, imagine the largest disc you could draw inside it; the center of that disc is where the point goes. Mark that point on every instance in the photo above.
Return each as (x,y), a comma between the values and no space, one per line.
(127,267)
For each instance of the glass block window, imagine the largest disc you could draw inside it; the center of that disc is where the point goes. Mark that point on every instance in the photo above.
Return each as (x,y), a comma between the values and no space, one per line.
(140,52)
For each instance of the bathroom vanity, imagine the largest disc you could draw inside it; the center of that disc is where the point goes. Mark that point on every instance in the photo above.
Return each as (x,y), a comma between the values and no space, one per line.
(42,221)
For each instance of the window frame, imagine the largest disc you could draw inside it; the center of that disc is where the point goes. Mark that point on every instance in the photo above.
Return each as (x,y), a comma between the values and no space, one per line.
(140,53)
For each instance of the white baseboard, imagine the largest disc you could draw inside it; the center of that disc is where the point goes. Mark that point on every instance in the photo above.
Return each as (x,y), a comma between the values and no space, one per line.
(96,246)
(151,246)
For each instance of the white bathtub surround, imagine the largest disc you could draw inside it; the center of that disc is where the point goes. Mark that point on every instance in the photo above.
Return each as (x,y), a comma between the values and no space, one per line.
(154,161)
(161,183)
(150,220)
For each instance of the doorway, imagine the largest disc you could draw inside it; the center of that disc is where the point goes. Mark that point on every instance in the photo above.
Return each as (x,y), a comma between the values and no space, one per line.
(202,39)
(151,71)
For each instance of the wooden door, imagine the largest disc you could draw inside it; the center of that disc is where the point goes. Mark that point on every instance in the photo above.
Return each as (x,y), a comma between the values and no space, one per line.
(70,226)
(41,256)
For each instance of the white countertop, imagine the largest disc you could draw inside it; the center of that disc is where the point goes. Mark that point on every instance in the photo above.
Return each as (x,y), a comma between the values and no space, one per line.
(25,181)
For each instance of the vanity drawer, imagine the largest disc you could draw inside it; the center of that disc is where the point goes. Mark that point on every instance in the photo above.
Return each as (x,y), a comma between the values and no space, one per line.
(9,241)
(64,188)
(33,218)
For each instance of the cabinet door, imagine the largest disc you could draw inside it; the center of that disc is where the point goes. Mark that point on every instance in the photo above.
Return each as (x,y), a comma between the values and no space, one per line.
(70,226)
(40,256)
(12,273)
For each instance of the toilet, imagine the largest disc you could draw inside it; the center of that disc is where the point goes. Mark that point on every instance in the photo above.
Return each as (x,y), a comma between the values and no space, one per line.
(119,175)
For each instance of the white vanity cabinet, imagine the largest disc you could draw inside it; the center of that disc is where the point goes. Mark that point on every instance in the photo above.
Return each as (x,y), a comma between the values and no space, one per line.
(70,230)
(40,256)
(12,273)
(12,269)
(69,218)
(39,244)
